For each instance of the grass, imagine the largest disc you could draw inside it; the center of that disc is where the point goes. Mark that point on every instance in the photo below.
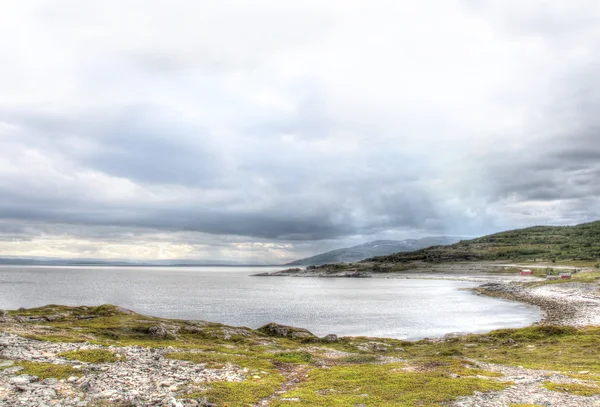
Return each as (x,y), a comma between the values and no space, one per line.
(48,370)
(358,359)
(242,394)
(381,385)
(564,349)
(300,357)
(261,381)
(578,244)
(93,356)
(573,388)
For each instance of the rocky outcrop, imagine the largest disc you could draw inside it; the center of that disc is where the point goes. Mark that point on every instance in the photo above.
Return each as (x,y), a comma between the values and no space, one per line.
(162,331)
(284,331)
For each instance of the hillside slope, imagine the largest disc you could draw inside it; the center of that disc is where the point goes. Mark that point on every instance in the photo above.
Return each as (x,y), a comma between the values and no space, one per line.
(581,242)
(372,249)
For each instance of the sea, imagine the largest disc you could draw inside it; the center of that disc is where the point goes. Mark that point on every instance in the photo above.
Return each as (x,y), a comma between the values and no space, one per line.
(379,307)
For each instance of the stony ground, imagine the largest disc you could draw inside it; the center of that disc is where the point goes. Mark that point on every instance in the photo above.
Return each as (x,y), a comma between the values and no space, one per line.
(145,377)
(529,389)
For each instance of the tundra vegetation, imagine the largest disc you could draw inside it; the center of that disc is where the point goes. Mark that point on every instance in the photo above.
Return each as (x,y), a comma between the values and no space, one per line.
(289,367)
(579,244)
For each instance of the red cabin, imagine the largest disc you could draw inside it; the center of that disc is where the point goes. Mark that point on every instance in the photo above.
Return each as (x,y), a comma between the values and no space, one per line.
(565,276)
(526,272)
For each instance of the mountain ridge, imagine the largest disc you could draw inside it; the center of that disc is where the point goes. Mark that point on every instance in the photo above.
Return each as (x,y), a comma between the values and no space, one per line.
(371,249)
(538,243)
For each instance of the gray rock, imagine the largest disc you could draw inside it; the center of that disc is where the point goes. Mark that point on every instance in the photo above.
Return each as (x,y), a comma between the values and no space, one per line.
(23,379)
(284,331)
(330,338)
(160,331)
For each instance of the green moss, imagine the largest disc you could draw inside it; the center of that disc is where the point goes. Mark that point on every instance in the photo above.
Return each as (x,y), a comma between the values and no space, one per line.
(381,385)
(58,338)
(93,356)
(358,359)
(573,388)
(48,370)
(294,357)
(564,349)
(242,394)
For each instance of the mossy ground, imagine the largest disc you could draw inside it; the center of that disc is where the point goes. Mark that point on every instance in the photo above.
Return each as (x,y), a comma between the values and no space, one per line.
(381,385)
(48,370)
(420,373)
(573,388)
(93,356)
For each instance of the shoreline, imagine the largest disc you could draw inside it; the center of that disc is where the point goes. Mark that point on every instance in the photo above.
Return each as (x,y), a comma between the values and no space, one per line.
(570,303)
(176,363)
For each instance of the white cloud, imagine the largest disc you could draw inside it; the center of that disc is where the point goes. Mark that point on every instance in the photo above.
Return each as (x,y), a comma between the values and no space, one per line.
(333,121)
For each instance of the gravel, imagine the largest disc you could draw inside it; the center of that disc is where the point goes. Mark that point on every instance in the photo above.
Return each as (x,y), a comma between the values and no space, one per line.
(145,378)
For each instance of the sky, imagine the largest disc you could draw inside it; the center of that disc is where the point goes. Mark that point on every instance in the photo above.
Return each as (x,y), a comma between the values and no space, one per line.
(268,131)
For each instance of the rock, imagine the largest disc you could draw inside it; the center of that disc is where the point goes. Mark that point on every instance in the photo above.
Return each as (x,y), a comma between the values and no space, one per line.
(23,379)
(160,331)
(373,346)
(125,311)
(3,313)
(20,319)
(205,403)
(330,338)
(284,331)
(584,372)
(51,318)
(50,381)
(6,363)
(13,370)
(72,379)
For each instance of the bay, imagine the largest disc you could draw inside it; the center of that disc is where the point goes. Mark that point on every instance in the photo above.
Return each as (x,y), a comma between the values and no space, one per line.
(393,308)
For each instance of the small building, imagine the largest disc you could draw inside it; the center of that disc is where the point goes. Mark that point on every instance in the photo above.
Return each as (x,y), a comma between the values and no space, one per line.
(565,276)
(526,272)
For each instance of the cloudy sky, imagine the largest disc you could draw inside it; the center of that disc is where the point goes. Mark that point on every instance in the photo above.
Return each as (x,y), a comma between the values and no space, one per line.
(270,130)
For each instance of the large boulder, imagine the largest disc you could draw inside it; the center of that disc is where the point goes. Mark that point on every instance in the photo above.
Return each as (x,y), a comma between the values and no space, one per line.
(285,331)
(161,331)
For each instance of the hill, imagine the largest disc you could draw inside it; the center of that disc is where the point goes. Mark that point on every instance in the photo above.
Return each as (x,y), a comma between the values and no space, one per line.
(541,243)
(44,261)
(372,249)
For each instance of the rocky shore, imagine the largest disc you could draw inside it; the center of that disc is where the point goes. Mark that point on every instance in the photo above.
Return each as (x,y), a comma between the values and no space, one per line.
(573,303)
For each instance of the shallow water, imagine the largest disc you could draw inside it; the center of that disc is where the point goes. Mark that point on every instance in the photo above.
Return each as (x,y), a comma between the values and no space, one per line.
(395,308)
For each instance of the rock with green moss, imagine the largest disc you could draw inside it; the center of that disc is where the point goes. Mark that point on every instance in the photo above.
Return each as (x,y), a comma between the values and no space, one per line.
(285,331)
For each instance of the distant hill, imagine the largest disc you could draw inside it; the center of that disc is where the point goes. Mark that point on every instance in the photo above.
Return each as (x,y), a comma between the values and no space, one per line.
(543,243)
(44,261)
(371,249)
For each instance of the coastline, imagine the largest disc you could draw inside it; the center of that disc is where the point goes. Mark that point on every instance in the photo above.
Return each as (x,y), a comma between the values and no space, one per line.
(571,303)
(110,356)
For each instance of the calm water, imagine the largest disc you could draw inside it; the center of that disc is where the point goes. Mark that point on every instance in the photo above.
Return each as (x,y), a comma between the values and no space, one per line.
(373,307)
